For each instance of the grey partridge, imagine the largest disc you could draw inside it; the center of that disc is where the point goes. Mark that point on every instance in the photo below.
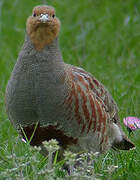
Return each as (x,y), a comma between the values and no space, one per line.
(66,102)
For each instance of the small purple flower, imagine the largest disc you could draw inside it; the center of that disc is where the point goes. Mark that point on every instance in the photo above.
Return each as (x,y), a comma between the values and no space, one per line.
(132,123)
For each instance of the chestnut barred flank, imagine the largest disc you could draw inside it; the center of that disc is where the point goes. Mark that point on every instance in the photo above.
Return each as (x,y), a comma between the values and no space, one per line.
(68,103)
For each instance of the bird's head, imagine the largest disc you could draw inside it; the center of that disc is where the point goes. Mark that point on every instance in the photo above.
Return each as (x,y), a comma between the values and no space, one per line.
(43,26)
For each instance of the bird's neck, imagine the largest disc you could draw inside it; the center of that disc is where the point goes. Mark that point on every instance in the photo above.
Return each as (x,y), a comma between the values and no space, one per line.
(43,64)
(50,54)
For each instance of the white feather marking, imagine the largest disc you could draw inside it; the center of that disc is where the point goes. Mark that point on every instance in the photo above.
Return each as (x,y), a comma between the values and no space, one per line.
(116,133)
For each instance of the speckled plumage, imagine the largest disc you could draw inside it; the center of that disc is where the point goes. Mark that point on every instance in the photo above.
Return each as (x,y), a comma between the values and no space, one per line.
(68,103)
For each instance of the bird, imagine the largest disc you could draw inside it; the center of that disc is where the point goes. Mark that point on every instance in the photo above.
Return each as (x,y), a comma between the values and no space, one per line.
(48,99)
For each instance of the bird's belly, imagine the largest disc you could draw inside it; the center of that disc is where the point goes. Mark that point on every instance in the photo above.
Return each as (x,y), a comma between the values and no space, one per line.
(52,111)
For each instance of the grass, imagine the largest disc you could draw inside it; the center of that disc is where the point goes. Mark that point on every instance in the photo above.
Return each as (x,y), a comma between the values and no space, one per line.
(103,37)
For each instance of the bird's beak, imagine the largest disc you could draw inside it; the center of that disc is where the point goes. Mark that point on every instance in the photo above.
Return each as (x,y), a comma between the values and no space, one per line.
(44,18)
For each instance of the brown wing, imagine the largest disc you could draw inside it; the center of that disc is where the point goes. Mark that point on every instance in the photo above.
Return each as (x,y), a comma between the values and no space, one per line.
(94,108)
(87,103)
(99,90)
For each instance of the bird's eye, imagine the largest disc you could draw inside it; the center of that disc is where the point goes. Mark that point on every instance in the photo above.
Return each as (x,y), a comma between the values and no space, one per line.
(34,15)
(53,15)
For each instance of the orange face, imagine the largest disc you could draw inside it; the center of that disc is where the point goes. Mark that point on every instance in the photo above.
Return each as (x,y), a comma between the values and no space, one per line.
(43,26)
